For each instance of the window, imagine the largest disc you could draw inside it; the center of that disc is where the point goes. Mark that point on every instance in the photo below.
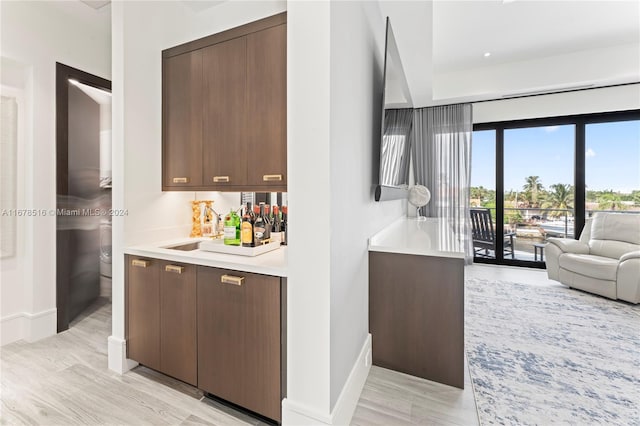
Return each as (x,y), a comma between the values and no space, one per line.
(550,175)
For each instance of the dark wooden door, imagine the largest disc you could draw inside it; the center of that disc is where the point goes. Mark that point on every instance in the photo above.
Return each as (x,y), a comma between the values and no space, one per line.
(178,345)
(225,103)
(239,339)
(182,121)
(267,106)
(143,310)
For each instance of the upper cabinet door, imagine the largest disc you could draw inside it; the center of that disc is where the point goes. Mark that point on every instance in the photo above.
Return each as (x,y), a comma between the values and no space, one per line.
(182,120)
(267,106)
(225,112)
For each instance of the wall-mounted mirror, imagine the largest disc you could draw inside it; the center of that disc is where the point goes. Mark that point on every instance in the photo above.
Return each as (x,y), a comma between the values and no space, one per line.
(397,119)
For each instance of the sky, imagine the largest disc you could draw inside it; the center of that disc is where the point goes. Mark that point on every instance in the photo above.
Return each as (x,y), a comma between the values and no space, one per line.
(612,156)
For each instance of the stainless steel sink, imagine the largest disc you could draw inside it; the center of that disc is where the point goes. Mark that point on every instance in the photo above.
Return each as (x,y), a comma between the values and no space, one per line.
(185,247)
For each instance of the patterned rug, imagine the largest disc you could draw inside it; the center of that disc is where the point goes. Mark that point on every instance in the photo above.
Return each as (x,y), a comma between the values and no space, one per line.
(549,355)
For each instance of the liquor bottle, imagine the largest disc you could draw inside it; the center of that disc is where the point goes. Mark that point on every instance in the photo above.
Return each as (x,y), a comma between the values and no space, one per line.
(231,228)
(246,231)
(284,226)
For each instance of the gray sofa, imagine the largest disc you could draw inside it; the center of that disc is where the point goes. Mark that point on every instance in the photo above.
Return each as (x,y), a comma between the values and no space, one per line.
(605,260)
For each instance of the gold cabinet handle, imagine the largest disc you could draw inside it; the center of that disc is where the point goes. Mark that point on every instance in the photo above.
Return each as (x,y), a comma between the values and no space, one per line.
(174,269)
(231,279)
(140,263)
(221,178)
(270,178)
(180,180)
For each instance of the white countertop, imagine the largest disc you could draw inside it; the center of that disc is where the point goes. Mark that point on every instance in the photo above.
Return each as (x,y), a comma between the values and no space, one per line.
(271,263)
(432,237)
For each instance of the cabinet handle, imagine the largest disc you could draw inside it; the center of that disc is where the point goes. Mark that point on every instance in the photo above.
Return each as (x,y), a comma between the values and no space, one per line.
(181,180)
(140,263)
(221,178)
(174,268)
(231,279)
(268,178)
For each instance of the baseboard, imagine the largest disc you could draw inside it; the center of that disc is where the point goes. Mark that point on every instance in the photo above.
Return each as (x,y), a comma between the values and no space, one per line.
(11,328)
(29,327)
(298,414)
(117,354)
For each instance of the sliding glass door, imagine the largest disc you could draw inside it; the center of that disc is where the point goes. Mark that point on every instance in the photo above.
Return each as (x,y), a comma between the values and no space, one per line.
(542,178)
(538,187)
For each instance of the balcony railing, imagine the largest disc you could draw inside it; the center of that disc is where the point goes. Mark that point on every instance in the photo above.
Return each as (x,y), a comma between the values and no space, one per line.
(533,226)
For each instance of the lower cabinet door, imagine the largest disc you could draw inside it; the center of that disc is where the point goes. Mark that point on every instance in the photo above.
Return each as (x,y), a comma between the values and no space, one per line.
(143,310)
(239,338)
(178,346)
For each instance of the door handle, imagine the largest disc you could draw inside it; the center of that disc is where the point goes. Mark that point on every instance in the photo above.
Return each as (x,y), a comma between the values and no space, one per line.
(231,279)
(221,178)
(271,178)
(174,269)
(140,263)
(180,180)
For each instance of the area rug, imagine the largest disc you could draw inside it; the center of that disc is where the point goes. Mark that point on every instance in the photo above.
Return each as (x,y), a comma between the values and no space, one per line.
(549,355)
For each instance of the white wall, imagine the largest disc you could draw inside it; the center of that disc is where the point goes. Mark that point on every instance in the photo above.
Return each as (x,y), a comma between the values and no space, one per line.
(308,165)
(34,36)
(618,98)
(357,44)
(141,30)
(335,82)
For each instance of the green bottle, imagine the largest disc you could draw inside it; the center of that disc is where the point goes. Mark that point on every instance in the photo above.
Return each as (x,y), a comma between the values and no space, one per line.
(232,229)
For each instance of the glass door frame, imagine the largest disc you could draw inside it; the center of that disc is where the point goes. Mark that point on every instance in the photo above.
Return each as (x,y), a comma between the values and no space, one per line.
(580,122)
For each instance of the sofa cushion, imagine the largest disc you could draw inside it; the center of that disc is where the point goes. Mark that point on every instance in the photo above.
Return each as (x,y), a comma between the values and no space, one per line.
(616,226)
(614,234)
(611,248)
(599,267)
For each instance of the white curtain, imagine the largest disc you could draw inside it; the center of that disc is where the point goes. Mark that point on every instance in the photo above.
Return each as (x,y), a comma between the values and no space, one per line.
(442,163)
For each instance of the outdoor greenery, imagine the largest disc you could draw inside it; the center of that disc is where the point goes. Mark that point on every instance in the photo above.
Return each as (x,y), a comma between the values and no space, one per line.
(557,196)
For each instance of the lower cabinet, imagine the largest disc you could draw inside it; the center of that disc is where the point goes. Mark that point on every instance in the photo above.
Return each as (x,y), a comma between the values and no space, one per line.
(178,332)
(239,346)
(161,316)
(143,310)
(220,330)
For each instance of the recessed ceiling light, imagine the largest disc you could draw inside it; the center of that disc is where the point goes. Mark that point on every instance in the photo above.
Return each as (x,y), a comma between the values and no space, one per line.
(487,54)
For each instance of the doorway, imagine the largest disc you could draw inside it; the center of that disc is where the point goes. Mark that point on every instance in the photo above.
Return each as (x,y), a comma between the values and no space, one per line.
(83,192)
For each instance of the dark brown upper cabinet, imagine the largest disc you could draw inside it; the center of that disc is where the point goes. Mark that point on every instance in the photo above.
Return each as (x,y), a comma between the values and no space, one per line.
(182,121)
(267,105)
(225,110)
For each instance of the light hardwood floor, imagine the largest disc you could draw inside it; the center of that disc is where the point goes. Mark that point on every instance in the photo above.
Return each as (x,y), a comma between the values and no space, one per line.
(64,380)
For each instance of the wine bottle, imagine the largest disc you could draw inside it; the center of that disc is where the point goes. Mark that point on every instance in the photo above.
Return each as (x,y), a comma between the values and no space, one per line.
(268,223)
(246,231)
(259,226)
(275,230)
(284,226)
(231,224)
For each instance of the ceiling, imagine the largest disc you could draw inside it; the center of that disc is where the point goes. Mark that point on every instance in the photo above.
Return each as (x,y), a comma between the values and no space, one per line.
(516,30)
(443,37)
(448,36)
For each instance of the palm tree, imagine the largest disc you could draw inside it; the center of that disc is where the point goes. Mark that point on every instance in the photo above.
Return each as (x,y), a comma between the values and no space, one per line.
(610,200)
(560,197)
(532,188)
